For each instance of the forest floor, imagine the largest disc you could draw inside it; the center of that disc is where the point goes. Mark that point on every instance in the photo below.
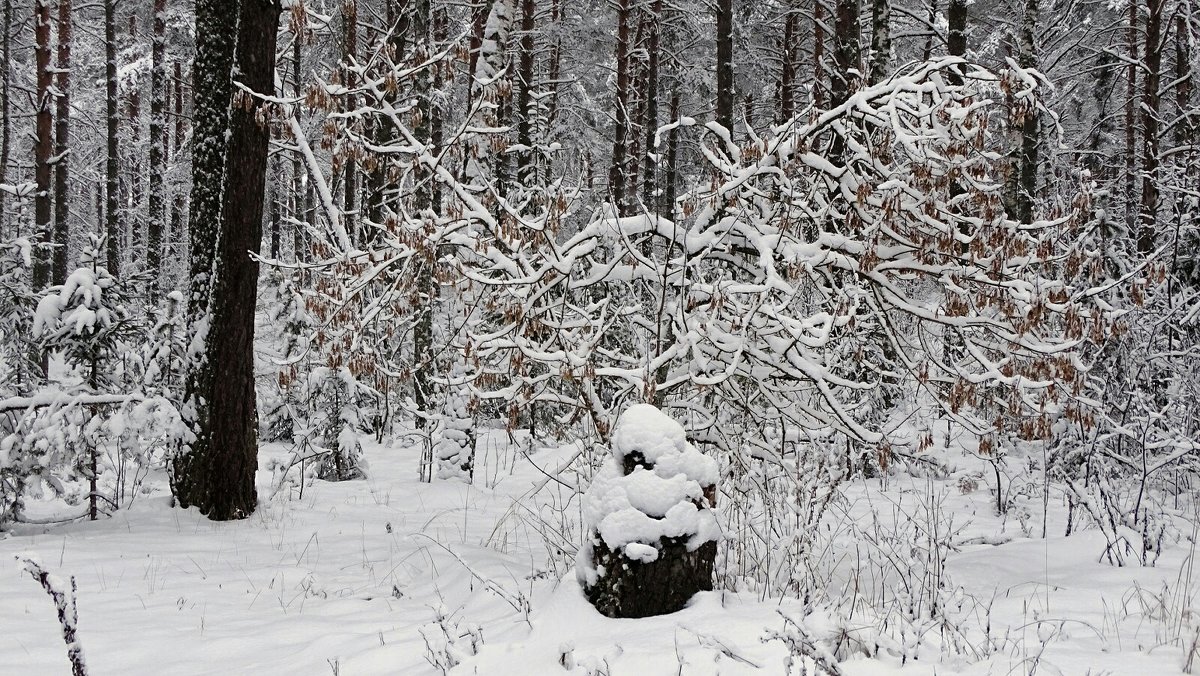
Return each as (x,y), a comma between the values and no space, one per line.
(394,576)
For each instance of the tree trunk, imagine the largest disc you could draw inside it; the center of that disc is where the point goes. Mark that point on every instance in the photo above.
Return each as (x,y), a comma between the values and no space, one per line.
(725,64)
(350,172)
(526,159)
(650,110)
(1030,126)
(5,110)
(787,75)
(179,204)
(621,128)
(216,473)
(881,39)
(44,144)
(1131,213)
(956,35)
(133,114)
(62,140)
(1151,100)
(158,148)
(846,51)
(819,55)
(420,25)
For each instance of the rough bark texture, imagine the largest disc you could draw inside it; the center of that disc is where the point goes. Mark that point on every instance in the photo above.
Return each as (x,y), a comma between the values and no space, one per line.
(5,109)
(1031,126)
(650,111)
(725,64)
(1151,99)
(846,52)
(112,223)
(788,56)
(956,33)
(636,589)
(44,143)
(62,142)
(216,474)
(157,211)
(526,166)
(1131,203)
(881,39)
(617,187)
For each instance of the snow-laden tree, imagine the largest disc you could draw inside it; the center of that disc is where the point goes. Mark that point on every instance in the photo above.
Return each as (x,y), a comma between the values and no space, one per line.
(454,434)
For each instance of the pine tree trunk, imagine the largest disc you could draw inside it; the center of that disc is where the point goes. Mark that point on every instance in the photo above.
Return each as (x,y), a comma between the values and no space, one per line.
(179,203)
(846,52)
(881,39)
(526,160)
(62,140)
(1131,200)
(229,159)
(956,35)
(5,109)
(44,143)
(112,223)
(787,75)
(157,211)
(1151,100)
(420,25)
(818,55)
(617,187)
(350,172)
(1031,125)
(650,109)
(725,64)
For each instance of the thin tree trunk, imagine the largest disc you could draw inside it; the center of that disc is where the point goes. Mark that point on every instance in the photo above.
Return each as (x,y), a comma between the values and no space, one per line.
(846,51)
(5,109)
(350,171)
(650,112)
(420,25)
(112,223)
(135,223)
(956,35)
(621,128)
(62,139)
(881,39)
(44,144)
(1031,125)
(818,54)
(158,148)
(725,64)
(1151,100)
(1131,200)
(787,76)
(179,203)
(526,160)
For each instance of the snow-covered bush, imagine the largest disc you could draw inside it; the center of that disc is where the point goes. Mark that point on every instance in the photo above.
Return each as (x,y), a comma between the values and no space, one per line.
(454,436)
(653,534)
(334,421)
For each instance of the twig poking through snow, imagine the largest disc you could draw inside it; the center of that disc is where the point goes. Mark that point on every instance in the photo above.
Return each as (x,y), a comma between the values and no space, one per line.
(68,617)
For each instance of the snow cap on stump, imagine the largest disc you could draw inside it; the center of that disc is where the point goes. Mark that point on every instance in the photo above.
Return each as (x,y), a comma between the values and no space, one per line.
(652,531)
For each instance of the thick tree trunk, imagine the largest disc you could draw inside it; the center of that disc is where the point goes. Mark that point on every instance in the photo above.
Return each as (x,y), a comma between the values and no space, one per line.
(1151,100)
(216,473)
(44,143)
(725,64)
(62,141)
(157,211)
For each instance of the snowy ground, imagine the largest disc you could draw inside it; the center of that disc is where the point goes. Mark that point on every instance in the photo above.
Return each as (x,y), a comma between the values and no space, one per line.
(392,576)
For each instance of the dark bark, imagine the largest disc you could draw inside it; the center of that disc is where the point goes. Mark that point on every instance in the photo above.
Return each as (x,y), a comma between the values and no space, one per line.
(112,223)
(665,585)
(846,52)
(956,34)
(62,141)
(650,109)
(216,474)
(157,210)
(617,183)
(1151,101)
(881,39)
(1131,203)
(725,64)
(1031,125)
(5,109)
(788,57)
(420,25)
(133,165)
(350,171)
(819,54)
(44,143)
(526,159)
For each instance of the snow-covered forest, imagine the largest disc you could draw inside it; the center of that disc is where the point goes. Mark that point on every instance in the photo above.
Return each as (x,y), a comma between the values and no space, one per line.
(599,337)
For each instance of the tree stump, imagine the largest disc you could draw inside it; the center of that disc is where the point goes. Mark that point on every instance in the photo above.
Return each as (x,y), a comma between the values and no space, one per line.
(652,531)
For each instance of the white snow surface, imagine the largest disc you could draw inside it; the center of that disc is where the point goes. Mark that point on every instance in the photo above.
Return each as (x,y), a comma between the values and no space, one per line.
(356,575)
